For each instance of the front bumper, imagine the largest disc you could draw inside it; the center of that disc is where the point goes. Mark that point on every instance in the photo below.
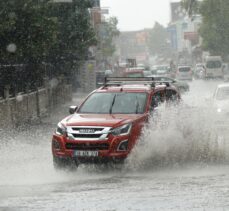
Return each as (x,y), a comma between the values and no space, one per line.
(106,150)
(213,75)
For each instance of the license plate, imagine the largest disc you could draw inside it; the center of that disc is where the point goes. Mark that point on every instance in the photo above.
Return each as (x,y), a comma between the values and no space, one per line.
(86,153)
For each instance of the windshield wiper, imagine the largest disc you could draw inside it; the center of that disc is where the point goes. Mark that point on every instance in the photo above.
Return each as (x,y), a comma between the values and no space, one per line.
(113,101)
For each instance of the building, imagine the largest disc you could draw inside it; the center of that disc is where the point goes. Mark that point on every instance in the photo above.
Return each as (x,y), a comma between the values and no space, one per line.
(183,31)
(133,45)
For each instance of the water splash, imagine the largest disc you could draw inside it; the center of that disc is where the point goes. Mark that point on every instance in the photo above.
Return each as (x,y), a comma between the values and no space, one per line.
(180,135)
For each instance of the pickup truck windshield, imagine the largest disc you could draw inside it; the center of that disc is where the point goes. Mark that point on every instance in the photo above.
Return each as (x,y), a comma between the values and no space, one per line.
(115,103)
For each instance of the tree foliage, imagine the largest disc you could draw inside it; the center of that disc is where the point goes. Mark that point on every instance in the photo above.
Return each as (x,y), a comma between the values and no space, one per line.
(34,32)
(215,27)
(191,6)
(75,33)
(41,30)
(25,25)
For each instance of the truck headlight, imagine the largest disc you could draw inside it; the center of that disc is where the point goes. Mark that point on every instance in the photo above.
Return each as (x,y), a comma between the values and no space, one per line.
(219,110)
(122,130)
(61,129)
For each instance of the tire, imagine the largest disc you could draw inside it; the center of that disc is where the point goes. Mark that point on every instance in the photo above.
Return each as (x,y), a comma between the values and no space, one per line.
(64,163)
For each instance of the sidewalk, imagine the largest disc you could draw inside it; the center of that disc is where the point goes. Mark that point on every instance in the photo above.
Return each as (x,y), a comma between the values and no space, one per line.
(62,111)
(42,129)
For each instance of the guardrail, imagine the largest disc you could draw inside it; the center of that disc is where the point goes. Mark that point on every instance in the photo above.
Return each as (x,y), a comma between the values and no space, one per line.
(27,107)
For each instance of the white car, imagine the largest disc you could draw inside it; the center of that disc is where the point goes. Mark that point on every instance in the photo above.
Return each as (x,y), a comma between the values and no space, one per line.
(221,106)
(219,120)
(213,67)
(221,98)
(184,73)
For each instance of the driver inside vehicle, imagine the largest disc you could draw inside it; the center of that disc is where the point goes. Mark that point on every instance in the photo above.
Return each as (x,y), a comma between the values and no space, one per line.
(157,99)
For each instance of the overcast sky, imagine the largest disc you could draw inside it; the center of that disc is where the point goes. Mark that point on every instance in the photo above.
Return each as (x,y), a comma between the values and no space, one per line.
(138,14)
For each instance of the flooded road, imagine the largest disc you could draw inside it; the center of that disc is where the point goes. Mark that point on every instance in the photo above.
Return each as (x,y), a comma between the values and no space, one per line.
(171,171)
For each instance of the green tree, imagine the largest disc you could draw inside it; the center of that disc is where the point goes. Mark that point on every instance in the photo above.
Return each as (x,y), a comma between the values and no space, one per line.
(191,6)
(42,30)
(215,27)
(36,31)
(75,35)
(25,31)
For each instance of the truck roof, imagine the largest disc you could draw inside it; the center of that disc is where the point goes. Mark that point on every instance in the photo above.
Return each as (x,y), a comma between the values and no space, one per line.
(144,84)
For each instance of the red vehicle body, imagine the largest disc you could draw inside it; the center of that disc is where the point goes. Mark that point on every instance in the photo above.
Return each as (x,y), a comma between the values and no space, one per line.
(96,134)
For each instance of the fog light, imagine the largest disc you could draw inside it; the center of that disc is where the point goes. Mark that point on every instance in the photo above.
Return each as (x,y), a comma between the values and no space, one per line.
(123,146)
(55,144)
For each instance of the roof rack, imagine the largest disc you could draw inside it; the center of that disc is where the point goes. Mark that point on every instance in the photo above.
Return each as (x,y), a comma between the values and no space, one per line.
(119,81)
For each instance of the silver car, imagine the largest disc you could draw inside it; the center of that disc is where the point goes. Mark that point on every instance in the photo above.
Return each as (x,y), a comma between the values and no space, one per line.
(184,73)
(221,107)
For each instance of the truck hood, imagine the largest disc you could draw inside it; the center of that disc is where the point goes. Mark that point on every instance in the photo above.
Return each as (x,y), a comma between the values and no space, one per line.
(107,120)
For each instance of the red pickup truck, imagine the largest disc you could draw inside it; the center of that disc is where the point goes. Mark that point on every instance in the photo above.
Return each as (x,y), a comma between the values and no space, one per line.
(107,124)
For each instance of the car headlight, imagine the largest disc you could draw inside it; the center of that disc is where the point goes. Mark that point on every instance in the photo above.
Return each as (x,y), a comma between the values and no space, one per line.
(122,130)
(61,129)
(219,110)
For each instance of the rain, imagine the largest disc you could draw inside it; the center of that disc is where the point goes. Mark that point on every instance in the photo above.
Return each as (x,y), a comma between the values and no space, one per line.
(113,106)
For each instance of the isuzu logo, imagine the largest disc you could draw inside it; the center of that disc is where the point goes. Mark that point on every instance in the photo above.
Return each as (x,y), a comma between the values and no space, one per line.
(85,130)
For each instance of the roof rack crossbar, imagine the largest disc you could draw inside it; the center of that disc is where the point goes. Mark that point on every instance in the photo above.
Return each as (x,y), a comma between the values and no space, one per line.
(118,81)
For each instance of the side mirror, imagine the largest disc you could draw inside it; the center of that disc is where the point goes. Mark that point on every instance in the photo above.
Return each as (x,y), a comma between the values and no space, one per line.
(72,109)
(154,104)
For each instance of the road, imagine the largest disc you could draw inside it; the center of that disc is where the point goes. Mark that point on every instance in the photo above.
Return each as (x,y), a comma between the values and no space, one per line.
(168,174)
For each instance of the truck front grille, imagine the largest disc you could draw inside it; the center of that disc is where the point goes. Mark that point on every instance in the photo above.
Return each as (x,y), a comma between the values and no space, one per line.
(87,146)
(87,133)
(86,136)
